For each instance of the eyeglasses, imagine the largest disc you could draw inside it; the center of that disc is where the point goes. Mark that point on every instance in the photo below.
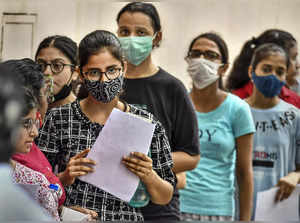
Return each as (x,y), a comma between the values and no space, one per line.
(56,67)
(96,74)
(208,54)
(29,123)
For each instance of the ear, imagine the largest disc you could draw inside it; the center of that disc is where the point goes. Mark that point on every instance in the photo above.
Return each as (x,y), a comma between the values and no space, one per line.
(223,69)
(250,69)
(157,39)
(75,74)
(77,70)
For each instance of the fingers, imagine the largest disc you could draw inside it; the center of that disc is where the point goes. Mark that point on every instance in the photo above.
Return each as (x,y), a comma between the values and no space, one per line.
(81,161)
(82,153)
(138,159)
(284,191)
(139,164)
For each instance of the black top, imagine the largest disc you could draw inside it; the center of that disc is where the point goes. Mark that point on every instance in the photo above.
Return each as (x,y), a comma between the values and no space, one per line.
(165,96)
(67,131)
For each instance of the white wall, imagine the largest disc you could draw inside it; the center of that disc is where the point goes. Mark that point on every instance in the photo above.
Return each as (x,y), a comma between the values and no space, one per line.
(235,20)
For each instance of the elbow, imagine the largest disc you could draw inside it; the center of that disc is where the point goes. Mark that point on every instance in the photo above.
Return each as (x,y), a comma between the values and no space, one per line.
(165,199)
(245,175)
(194,162)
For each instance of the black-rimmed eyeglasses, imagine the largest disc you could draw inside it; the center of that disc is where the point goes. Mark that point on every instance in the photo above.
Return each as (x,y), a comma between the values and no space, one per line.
(56,67)
(95,74)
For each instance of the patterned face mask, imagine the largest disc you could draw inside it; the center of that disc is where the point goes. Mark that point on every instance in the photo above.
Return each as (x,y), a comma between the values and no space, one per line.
(105,91)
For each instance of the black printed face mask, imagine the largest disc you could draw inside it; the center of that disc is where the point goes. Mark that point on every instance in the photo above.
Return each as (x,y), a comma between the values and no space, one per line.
(105,91)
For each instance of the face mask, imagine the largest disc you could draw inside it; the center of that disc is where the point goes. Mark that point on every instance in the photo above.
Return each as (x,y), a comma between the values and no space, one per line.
(203,72)
(136,48)
(270,86)
(104,91)
(63,93)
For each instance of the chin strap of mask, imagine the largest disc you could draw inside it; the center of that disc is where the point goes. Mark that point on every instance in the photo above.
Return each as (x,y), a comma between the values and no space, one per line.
(65,91)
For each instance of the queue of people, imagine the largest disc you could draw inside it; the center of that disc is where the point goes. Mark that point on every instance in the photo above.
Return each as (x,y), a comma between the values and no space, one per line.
(209,143)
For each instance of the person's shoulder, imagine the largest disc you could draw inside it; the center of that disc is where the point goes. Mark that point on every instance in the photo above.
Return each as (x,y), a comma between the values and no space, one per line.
(169,79)
(142,113)
(62,109)
(236,101)
(283,105)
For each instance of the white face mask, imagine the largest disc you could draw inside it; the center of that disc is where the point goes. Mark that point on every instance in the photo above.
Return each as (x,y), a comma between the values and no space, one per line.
(203,72)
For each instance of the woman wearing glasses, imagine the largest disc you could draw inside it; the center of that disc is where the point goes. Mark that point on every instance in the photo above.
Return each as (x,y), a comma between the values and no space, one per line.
(225,131)
(46,193)
(70,129)
(57,56)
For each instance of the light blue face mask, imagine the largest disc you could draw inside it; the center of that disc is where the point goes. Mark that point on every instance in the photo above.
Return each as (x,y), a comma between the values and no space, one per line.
(136,48)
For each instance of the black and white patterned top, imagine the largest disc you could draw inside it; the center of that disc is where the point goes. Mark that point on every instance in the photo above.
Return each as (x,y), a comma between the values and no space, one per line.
(67,131)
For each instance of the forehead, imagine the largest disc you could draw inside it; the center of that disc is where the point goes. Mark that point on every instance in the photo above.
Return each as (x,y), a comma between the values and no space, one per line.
(205,44)
(135,19)
(275,59)
(102,60)
(51,53)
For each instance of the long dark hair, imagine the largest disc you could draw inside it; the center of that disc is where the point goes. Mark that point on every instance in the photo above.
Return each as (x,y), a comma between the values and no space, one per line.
(238,75)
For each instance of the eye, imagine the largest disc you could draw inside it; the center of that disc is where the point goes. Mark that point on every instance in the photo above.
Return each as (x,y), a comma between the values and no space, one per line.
(124,32)
(94,73)
(111,70)
(280,71)
(267,69)
(57,66)
(211,55)
(141,33)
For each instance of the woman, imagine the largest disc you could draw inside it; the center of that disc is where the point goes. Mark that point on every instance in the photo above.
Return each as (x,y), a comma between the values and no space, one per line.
(30,76)
(47,197)
(238,80)
(102,69)
(276,141)
(225,131)
(57,56)
(155,90)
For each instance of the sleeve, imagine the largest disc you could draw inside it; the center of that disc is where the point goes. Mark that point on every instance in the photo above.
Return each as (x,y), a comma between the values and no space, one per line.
(185,135)
(243,123)
(161,155)
(47,139)
(297,158)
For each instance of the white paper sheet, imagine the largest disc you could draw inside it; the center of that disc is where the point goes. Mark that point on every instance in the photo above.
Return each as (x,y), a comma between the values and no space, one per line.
(122,133)
(69,214)
(268,210)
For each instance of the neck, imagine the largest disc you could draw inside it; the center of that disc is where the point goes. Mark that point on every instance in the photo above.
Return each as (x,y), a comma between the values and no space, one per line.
(97,111)
(70,98)
(258,100)
(207,99)
(145,69)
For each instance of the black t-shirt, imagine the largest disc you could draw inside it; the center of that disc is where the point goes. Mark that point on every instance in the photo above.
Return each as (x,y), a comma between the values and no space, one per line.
(165,96)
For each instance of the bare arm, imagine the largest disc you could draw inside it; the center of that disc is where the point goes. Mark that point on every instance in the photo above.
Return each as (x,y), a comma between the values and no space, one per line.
(181,180)
(245,175)
(184,162)
(287,184)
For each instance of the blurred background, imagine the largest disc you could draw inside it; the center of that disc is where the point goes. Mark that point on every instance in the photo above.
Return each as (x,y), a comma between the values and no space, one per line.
(24,23)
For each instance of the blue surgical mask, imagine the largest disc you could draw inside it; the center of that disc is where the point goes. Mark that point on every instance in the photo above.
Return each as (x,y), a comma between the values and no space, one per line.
(270,86)
(136,48)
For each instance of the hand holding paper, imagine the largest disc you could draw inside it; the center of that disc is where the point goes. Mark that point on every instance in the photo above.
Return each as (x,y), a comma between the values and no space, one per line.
(139,164)
(122,134)
(77,166)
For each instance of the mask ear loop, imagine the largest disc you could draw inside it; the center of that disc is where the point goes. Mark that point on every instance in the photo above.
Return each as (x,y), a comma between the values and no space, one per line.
(153,38)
